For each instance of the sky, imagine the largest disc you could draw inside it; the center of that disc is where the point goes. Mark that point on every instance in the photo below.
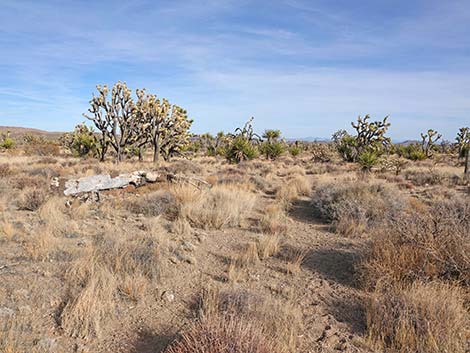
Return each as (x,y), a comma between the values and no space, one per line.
(306,67)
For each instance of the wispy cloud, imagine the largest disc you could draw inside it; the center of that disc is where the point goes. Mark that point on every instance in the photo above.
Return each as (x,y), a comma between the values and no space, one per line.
(306,67)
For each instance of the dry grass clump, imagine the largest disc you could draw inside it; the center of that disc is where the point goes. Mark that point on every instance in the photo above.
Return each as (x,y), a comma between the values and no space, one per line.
(112,267)
(423,244)
(222,335)
(355,206)
(41,244)
(219,207)
(277,324)
(53,214)
(155,204)
(268,246)
(7,229)
(22,182)
(31,199)
(424,318)
(274,220)
(293,188)
(294,261)
(242,262)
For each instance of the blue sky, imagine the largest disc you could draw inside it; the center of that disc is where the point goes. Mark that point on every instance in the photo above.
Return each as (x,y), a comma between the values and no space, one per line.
(305,67)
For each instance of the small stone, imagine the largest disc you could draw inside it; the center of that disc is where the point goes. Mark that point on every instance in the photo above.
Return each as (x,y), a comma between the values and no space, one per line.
(71,235)
(167,296)
(6,312)
(188,246)
(152,177)
(48,344)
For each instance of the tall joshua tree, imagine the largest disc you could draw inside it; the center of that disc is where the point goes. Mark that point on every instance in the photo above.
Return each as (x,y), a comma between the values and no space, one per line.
(463,142)
(114,117)
(428,141)
(164,126)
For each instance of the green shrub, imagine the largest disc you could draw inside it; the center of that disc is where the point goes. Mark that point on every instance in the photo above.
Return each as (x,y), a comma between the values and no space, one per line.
(294,150)
(7,143)
(240,149)
(367,160)
(81,142)
(272,149)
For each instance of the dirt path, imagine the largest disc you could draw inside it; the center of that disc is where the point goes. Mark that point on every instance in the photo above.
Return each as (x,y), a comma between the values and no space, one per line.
(324,289)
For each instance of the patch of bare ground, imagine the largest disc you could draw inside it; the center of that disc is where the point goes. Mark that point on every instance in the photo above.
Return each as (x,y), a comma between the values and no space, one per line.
(249,262)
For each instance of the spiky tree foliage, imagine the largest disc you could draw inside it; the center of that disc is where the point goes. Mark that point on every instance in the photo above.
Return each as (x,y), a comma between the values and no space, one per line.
(81,142)
(114,117)
(370,138)
(271,135)
(6,142)
(463,141)
(175,134)
(371,135)
(272,148)
(247,132)
(164,126)
(428,142)
(243,144)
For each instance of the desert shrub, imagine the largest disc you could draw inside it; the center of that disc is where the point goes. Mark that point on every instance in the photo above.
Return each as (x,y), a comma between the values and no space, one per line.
(412,151)
(222,335)
(367,160)
(31,199)
(39,146)
(8,143)
(184,166)
(424,318)
(295,150)
(355,206)
(45,172)
(81,142)
(155,204)
(422,244)
(240,149)
(278,321)
(218,207)
(322,152)
(112,266)
(422,177)
(272,149)
(22,182)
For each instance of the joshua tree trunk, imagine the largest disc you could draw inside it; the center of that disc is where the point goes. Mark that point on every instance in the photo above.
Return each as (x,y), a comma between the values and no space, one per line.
(156,149)
(467,164)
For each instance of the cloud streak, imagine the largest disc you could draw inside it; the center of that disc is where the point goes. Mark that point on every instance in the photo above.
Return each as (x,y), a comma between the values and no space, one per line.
(306,67)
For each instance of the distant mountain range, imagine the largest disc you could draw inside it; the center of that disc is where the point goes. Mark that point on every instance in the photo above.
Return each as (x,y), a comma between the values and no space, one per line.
(308,139)
(16,131)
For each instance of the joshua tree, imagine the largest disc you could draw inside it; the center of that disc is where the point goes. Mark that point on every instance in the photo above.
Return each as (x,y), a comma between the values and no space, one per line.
(370,137)
(164,126)
(463,142)
(428,142)
(247,132)
(272,147)
(114,118)
(176,132)
(272,135)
